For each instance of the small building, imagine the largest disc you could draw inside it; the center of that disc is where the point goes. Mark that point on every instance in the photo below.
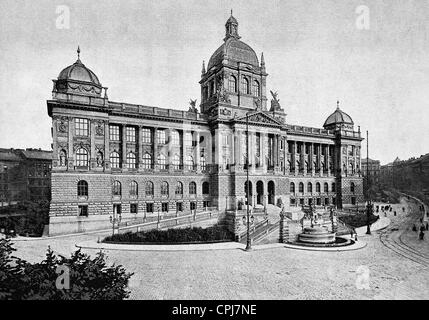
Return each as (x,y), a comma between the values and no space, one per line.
(25,174)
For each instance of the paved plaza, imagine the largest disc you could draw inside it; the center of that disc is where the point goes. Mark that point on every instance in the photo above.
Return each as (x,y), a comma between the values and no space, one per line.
(375,272)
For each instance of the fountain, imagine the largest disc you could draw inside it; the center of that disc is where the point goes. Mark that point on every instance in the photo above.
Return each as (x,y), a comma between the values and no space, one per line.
(318,234)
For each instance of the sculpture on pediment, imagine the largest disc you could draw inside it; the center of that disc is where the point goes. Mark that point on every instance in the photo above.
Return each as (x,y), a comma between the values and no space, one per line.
(193,107)
(275,102)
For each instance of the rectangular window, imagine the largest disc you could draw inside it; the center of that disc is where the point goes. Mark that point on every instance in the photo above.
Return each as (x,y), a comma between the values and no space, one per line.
(164,207)
(160,136)
(146,135)
(133,208)
(292,201)
(114,133)
(81,127)
(131,134)
(206,204)
(353,200)
(179,207)
(149,207)
(83,211)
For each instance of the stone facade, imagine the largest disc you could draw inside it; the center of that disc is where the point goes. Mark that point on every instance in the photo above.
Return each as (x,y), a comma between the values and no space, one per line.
(106,154)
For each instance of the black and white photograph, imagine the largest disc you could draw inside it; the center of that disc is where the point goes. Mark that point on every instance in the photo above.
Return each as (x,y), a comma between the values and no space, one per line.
(223,151)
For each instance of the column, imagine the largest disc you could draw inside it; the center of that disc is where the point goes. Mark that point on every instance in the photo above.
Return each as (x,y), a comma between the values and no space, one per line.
(237,149)
(252,146)
(140,146)
(124,147)
(155,148)
(319,159)
(327,159)
(275,150)
(197,152)
(303,157)
(209,146)
(55,141)
(169,157)
(294,150)
(106,145)
(313,169)
(186,134)
(92,139)
(262,140)
(70,155)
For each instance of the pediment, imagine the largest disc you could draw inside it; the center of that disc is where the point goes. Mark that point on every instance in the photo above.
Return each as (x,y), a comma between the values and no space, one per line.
(261,118)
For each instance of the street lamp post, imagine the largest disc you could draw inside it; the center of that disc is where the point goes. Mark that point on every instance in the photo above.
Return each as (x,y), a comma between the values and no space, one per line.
(369,205)
(115,221)
(249,241)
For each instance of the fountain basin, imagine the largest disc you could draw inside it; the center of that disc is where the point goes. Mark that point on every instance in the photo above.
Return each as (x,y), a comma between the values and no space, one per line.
(317,235)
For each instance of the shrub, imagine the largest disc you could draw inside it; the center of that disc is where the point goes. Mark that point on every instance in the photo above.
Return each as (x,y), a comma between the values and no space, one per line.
(358,220)
(90,279)
(196,234)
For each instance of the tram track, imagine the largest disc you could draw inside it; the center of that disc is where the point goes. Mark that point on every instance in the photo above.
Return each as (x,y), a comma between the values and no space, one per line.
(391,238)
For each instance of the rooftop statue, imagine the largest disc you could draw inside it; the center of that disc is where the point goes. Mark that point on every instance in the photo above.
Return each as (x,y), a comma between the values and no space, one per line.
(275,102)
(193,108)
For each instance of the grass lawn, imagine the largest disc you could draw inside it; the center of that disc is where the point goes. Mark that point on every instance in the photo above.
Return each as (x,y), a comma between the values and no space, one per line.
(358,220)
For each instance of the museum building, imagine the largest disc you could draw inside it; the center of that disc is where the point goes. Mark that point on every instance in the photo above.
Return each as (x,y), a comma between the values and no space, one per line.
(112,158)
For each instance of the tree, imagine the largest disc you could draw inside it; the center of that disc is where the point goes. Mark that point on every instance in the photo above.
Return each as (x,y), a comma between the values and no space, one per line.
(85,279)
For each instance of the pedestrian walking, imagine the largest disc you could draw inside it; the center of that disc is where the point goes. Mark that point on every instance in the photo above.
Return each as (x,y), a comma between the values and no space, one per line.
(414,227)
(394,213)
(422,235)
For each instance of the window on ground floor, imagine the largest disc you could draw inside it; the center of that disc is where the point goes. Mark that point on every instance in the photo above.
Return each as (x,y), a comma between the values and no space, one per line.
(83,211)
(318,202)
(149,207)
(164,207)
(206,204)
(292,202)
(301,201)
(133,208)
(193,205)
(179,207)
(326,201)
(353,200)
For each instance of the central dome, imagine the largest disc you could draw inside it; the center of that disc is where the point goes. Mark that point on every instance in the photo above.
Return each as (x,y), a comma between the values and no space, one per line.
(233,50)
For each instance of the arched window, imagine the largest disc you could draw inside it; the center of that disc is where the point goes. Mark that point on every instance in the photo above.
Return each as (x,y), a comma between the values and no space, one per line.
(206,187)
(203,163)
(352,187)
(179,188)
(164,188)
(176,162)
(333,187)
(162,162)
(190,162)
(147,161)
(317,187)
(149,188)
(232,84)
(99,159)
(256,89)
(301,187)
(326,187)
(81,157)
(309,187)
(175,138)
(292,187)
(63,158)
(192,188)
(114,160)
(116,190)
(245,86)
(82,188)
(131,160)
(134,188)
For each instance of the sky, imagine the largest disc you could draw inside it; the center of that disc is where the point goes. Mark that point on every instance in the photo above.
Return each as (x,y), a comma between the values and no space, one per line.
(374,60)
